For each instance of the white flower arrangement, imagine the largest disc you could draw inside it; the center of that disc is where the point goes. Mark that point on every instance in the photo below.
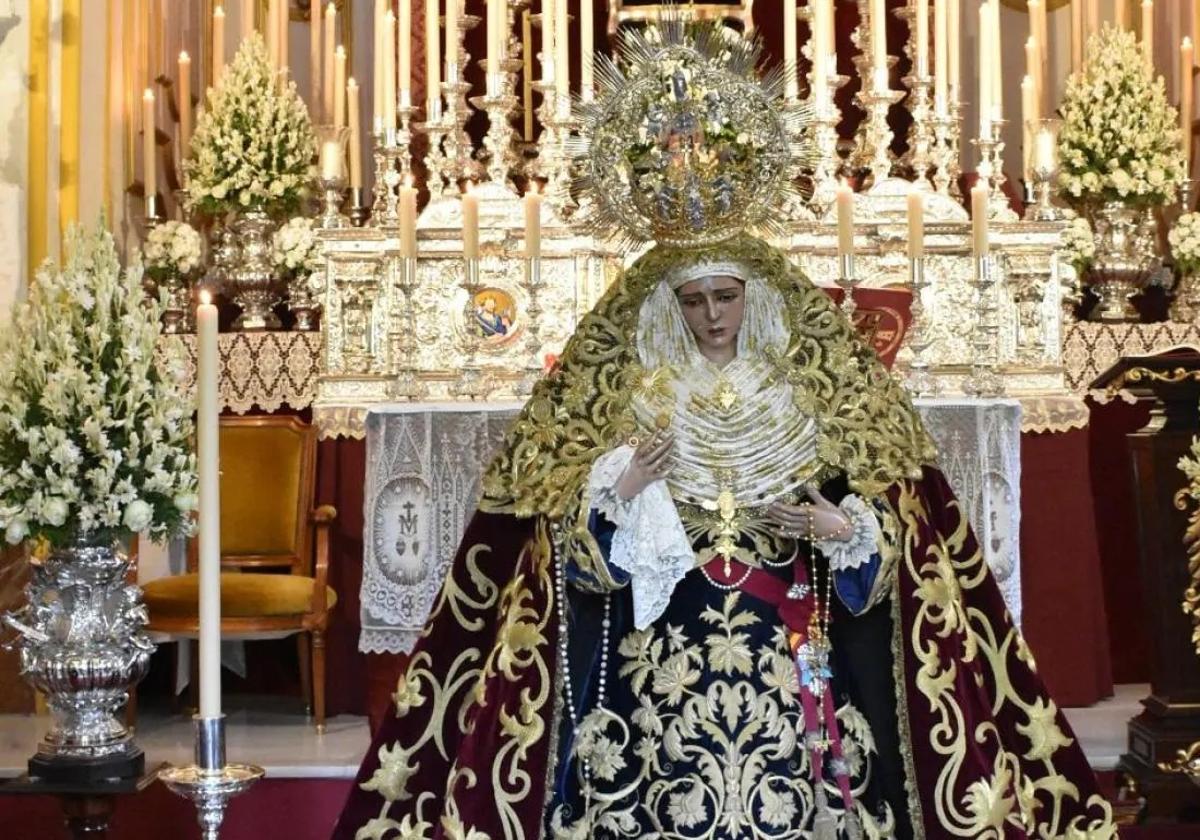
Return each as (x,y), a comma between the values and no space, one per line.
(1078,244)
(95,435)
(172,251)
(1120,138)
(254,145)
(296,250)
(1185,242)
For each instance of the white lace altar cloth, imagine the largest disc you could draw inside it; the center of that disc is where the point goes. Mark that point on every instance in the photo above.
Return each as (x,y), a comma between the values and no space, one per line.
(424,462)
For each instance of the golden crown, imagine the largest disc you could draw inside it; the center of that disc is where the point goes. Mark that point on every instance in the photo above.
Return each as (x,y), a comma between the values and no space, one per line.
(685,144)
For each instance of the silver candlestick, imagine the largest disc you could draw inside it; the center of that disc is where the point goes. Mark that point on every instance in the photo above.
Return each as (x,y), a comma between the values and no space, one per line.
(847,281)
(983,380)
(471,383)
(404,136)
(1184,192)
(498,105)
(533,341)
(407,384)
(945,151)
(384,164)
(878,134)
(437,164)
(210,782)
(459,151)
(333,217)
(553,160)
(920,381)
(991,171)
(921,135)
(828,165)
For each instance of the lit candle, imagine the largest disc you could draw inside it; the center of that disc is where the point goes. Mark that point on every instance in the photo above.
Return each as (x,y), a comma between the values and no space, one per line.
(339,86)
(330,41)
(922,12)
(452,68)
(149,161)
(314,55)
(218,44)
(916,224)
(433,60)
(1148,31)
(979,220)
(533,221)
(1028,124)
(845,220)
(548,40)
(494,27)
(272,27)
(985,70)
(331,160)
(355,135)
(954,46)
(185,103)
(208,468)
(1186,57)
(587,52)
(941,53)
(792,89)
(406,52)
(408,218)
(389,70)
(562,52)
(470,217)
(879,41)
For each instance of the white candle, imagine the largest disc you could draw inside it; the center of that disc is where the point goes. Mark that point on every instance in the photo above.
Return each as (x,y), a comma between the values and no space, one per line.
(997,75)
(247,19)
(527,78)
(792,88)
(470,217)
(1033,69)
(389,70)
(548,40)
(272,27)
(314,56)
(208,463)
(820,53)
(1148,31)
(986,68)
(1093,16)
(533,221)
(408,218)
(979,220)
(218,44)
(922,8)
(1077,28)
(284,56)
(433,60)
(493,37)
(405,81)
(327,77)
(185,103)
(331,160)
(879,41)
(562,52)
(377,68)
(1186,103)
(1028,124)
(916,224)
(149,157)
(1037,16)
(1045,152)
(954,46)
(452,41)
(587,54)
(355,134)
(1122,16)
(339,86)
(845,219)
(941,77)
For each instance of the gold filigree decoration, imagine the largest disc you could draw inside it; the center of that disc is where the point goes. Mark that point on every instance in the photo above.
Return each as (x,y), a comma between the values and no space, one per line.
(866,425)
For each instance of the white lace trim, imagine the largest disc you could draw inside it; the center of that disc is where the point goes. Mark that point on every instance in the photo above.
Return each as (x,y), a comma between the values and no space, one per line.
(864,537)
(650,543)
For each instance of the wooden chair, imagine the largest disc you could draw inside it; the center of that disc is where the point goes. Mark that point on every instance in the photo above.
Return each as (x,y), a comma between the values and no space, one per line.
(739,11)
(274,549)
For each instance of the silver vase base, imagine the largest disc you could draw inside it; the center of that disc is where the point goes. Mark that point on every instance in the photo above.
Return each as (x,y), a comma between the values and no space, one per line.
(210,790)
(255,322)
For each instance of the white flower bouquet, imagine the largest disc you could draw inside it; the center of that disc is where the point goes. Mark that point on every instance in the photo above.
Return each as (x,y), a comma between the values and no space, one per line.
(172,251)
(1120,139)
(296,250)
(254,146)
(1185,242)
(95,435)
(1078,244)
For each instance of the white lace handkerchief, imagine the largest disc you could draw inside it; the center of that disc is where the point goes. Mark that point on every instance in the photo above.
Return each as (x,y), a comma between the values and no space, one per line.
(650,543)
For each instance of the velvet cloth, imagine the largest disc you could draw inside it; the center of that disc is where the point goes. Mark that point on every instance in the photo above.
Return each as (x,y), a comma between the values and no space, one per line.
(469,746)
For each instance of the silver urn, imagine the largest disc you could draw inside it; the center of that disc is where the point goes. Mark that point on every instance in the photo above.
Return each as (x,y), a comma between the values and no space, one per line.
(252,284)
(1126,252)
(82,645)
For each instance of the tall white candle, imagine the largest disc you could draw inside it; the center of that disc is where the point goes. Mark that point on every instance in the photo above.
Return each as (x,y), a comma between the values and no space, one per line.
(452,41)
(1186,102)
(218,44)
(997,75)
(922,11)
(979,220)
(208,462)
(470,217)
(790,55)
(1028,123)
(562,52)
(820,53)
(247,19)
(355,134)
(284,27)
(314,56)
(941,73)
(389,70)
(185,103)
(845,219)
(493,38)
(548,40)
(405,80)
(339,86)
(533,221)
(587,54)
(1148,31)
(272,30)
(327,78)
(433,60)
(986,68)
(1033,67)
(377,68)
(408,218)
(954,46)
(916,223)
(149,156)
(878,40)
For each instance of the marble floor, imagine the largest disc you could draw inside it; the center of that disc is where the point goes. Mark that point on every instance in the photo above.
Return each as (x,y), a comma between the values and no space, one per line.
(287,745)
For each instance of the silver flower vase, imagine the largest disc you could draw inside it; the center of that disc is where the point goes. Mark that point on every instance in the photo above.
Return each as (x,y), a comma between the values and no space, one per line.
(1185,299)
(304,302)
(1125,253)
(252,285)
(82,646)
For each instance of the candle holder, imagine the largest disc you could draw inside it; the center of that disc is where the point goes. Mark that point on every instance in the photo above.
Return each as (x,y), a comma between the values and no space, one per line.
(437,164)
(154,211)
(210,782)
(404,137)
(470,383)
(847,281)
(945,151)
(1184,193)
(333,218)
(359,212)
(921,382)
(456,144)
(983,380)
(921,134)
(878,134)
(498,140)
(553,162)
(407,384)
(991,170)
(381,152)
(1040,189)
(954,160)
(825,136)
(533,341)
(333,178)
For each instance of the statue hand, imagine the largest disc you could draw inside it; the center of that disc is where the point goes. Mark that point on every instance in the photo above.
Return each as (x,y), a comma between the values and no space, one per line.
(651,461)
(825,519)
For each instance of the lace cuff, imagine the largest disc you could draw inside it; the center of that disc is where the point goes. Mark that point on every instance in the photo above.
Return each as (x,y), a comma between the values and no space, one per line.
(864,537)
(649,543)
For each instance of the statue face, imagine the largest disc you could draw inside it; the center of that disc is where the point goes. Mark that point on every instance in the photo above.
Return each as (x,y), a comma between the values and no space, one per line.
(713,308)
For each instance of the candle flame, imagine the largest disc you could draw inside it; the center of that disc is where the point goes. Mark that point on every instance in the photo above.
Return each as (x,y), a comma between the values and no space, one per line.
(206,297)
(219,11)
(183,56)
(533,187)
(148,96)
(408,181)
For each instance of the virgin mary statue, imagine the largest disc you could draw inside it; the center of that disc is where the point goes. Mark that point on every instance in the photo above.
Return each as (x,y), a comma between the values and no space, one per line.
(717,587)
